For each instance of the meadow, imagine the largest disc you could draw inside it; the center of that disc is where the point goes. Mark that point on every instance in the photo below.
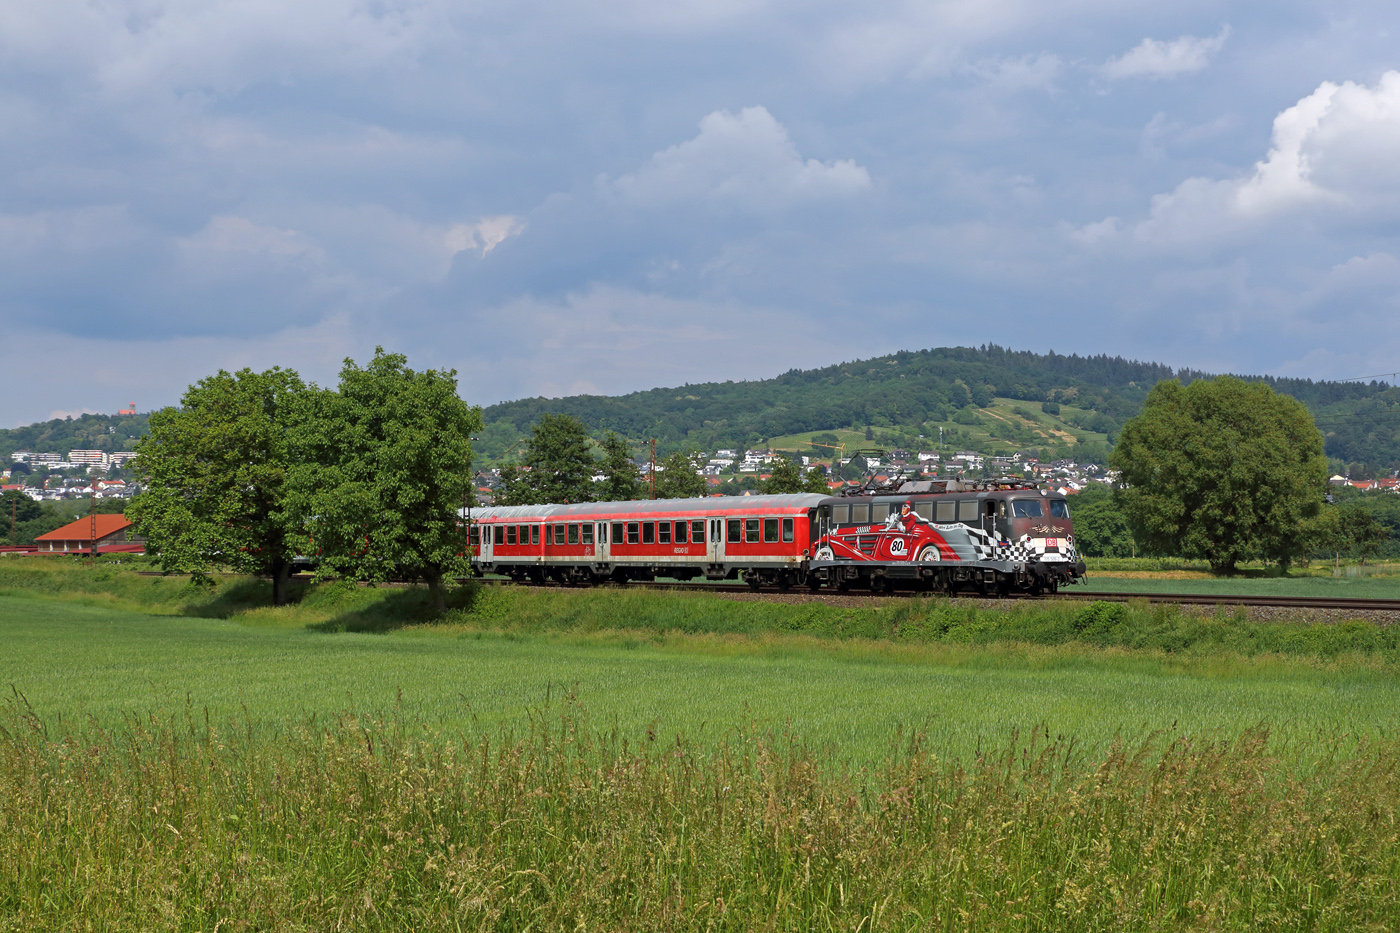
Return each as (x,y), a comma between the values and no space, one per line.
(184,757)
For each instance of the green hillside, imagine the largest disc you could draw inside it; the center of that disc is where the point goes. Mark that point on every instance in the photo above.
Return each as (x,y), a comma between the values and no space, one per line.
(86,432)
(989,399)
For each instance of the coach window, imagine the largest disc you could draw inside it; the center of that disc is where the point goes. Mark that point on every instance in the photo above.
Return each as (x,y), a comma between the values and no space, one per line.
(860,514)
(573,534)
(680,532)
(788,535)
(663,532)
(967,510)
(510,534)
(534,534)
(750,531)
(770,530)
(587,530)
(475,536)
(947,511)
(648,532)
(499,535)
(632,532)
(558,534)
(924,510)
(1059,508)
(697,532)
(734,527)
(618,534)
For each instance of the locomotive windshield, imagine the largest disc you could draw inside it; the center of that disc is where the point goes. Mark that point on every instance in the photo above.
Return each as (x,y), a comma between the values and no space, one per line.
(1059,508)
(1026,508)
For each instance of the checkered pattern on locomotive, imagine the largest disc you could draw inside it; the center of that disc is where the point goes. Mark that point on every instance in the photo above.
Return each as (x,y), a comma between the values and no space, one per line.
(1025,550)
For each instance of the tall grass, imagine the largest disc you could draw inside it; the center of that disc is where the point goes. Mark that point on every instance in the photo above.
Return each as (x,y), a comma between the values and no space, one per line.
(180,822)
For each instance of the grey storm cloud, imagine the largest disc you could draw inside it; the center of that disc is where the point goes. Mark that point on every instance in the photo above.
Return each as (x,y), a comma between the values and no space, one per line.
(605,196)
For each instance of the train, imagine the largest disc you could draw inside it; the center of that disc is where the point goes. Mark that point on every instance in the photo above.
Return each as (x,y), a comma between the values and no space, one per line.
(988,537)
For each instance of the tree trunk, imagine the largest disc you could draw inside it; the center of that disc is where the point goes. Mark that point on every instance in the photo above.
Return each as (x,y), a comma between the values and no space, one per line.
(439,595)
(281,573)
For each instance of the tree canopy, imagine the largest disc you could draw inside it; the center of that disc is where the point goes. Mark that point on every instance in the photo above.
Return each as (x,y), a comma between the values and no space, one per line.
(558,465)
(1100,527)
(382,467)
(621,481)
(214,471)
(677,477)
(1222,469)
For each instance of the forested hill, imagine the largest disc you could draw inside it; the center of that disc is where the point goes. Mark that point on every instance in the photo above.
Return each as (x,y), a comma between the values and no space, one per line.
(988,399)
(971,392)
(86,432)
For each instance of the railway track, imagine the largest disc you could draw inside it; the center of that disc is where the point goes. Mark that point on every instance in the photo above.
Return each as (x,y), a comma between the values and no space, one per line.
(1185,599)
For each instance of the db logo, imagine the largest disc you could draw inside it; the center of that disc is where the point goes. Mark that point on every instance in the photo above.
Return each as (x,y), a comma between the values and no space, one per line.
(897,546)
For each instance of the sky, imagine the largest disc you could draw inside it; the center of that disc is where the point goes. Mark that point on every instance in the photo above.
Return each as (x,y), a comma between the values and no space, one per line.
(567,197)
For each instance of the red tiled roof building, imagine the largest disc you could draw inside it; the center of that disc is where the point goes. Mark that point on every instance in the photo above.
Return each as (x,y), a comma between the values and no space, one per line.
(108,531)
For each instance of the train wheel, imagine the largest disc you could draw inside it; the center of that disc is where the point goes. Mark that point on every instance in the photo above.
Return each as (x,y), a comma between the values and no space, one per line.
(813,583)
(785,582)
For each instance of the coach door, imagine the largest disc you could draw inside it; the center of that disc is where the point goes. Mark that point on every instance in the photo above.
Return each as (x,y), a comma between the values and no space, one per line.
(715,545)
(601,546)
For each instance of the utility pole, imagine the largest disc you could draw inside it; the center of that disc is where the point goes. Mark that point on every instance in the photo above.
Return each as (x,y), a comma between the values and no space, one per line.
(92,526)
(651,474)
(14,504)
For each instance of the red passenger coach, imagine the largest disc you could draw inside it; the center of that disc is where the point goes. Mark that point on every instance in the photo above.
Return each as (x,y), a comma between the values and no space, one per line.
(768,538)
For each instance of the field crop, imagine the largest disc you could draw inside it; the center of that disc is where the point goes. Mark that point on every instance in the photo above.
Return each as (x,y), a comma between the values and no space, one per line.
(182,822)
(181,757)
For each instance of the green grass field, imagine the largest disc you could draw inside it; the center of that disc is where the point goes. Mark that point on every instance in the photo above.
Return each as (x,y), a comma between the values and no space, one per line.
(182,758)
(700,666)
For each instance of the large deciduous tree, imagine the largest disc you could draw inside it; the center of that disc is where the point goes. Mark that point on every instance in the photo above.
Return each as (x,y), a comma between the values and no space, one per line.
(214,471)
(385,465)
(1222,469)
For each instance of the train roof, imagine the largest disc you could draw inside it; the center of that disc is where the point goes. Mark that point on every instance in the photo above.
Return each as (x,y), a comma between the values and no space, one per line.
(769,503)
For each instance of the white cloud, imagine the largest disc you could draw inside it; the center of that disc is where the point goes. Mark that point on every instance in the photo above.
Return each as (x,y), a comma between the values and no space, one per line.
(1332,160)
(1155,58)
(745,161)
(486,234)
